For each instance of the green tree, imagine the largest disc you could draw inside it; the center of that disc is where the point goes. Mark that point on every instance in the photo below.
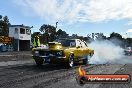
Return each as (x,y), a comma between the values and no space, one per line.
(61,34)
(100,36)
(0,16)
(115,35)
(1,25)
(49,32)
(129,42)
(4,25)
(74,36)
(117,39)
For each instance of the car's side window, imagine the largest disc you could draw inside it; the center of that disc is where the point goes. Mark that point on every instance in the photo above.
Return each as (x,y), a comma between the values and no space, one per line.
(72,44)
(83,44)
(86,44)
(79,43)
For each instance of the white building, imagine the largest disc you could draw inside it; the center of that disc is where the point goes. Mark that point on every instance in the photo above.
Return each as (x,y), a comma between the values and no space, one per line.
(21,35)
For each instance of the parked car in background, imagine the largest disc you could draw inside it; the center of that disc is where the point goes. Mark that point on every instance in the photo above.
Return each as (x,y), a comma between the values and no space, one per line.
(128,51)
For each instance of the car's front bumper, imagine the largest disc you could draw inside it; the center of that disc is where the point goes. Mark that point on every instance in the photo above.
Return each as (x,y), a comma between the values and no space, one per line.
(51,59)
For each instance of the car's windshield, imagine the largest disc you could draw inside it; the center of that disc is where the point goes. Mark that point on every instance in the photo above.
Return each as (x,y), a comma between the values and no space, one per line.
(66,42)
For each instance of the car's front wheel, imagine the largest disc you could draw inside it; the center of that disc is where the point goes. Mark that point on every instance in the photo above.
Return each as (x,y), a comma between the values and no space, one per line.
(39,62)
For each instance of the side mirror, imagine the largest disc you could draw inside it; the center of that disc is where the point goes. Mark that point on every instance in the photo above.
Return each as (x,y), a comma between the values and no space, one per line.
(78,47)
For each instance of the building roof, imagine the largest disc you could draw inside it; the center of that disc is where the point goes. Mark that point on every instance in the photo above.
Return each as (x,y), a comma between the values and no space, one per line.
(21,26)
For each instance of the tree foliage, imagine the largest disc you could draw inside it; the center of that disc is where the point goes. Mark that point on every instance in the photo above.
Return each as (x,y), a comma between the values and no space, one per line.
(128,42)
(61,34)
(116,35)
(49,32)
(4,25)
(46,28)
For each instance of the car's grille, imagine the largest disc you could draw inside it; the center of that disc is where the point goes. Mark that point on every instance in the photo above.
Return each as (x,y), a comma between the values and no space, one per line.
(51,53)
(44,53)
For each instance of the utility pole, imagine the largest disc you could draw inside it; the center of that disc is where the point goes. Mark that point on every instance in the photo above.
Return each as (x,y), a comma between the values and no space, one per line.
(56,28)
(56,24)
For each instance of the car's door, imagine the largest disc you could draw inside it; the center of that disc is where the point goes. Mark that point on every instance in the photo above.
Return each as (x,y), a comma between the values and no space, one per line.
(85,49)
(73,48)
(79,50)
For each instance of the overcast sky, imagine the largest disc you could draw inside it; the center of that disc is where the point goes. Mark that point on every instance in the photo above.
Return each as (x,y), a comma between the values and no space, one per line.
(80,17)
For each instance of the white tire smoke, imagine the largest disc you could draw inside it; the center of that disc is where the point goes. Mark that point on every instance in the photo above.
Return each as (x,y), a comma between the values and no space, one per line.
(105,52)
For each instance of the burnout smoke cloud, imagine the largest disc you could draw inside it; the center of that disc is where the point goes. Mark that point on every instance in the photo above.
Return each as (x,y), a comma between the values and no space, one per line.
(105,52)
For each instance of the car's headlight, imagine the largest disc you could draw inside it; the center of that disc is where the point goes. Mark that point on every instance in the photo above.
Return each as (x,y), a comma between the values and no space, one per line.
(60,53)
(36,52)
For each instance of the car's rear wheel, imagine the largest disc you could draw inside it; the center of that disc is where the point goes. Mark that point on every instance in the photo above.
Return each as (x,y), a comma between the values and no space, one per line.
(39,62)
(86,60)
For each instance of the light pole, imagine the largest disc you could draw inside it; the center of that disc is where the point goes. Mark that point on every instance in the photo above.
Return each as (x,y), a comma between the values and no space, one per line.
(126,40)
(56,24)
(56,28)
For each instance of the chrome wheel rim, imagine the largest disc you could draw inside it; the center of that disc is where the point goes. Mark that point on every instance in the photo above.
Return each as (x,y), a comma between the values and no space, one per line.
(71,64)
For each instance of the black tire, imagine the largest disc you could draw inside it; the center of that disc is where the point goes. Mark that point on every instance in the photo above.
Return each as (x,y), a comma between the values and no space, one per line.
(39,62)
(85,61)
(70,63)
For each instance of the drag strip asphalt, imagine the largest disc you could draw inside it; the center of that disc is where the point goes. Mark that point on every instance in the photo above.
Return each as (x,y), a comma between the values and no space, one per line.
(25,74)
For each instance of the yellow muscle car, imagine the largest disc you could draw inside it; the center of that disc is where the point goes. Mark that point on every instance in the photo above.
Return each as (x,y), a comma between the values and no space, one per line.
(68,52)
